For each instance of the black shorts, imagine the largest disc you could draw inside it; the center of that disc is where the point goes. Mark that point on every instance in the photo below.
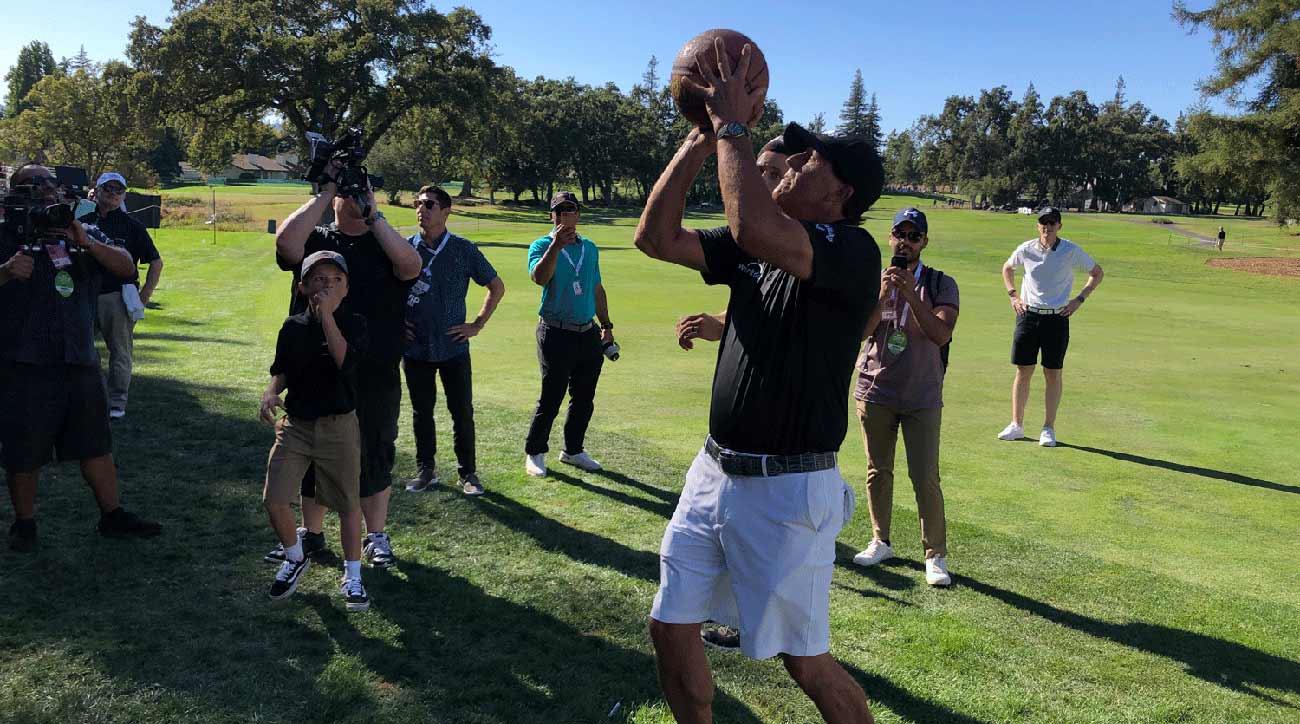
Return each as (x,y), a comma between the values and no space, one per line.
(1047,332)
(51,410)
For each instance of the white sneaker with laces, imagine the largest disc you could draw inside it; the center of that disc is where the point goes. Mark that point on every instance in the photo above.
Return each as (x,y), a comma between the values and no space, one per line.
(876,551)
(1047,438)
(535,465)
(1011,432)
(581,460)
(936,571)
(354,594)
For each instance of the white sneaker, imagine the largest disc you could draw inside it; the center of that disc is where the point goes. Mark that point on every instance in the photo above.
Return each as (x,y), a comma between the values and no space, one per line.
(876,551)
(535,465)
(936,571)
(581,460)
(116,413)
(1047,438)
(1012,432)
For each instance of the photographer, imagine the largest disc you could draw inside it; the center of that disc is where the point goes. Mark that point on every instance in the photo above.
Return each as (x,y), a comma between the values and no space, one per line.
(381,265)
(51,272)
(116,323)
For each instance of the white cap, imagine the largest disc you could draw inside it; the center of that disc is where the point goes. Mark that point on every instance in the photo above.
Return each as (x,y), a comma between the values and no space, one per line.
(110,176)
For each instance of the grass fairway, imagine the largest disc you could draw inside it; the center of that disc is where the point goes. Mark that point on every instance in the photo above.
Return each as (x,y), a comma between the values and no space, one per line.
(1141,572)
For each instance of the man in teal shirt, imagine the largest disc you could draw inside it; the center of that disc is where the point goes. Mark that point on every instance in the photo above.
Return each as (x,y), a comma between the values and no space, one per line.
(569,346)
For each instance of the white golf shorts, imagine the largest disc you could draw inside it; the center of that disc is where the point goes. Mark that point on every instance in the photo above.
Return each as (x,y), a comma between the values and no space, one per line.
(755,553)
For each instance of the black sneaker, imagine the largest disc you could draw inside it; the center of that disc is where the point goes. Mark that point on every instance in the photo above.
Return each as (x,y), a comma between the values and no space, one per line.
(378,551)
(471,484)
(313,546)
(121,523)
(423,482)
(22,535)
(286,579)
(354,594)
(723,638)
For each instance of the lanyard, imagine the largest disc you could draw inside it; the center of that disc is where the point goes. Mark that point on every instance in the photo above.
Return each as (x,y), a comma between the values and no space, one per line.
(445,236)
(902,318)
(577,268)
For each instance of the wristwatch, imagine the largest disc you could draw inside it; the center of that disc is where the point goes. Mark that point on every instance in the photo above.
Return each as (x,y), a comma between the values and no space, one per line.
(734,129)
(1011,292)
(607,325)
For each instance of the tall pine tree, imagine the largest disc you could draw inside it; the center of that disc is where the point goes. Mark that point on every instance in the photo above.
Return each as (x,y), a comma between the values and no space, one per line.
(853,115)
(35,61)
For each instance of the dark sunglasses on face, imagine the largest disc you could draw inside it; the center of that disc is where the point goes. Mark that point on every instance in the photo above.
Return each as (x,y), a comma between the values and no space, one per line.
(912,236)
(113,189)
(430,203)
(565,209)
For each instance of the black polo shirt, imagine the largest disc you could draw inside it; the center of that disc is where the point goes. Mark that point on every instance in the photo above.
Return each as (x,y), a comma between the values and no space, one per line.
(50,318)
(316,385)
(119,226)
(374,291)
(786,358)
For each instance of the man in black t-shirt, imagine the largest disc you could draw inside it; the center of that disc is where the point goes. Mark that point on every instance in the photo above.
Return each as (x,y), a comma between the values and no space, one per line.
(381,265)
(752,542)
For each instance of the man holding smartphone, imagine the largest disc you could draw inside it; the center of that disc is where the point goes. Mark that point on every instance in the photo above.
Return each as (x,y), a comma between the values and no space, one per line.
(567,268)
(900,384)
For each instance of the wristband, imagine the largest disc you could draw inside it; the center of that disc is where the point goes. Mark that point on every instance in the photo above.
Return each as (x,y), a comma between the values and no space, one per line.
(608,326)
(1011,292)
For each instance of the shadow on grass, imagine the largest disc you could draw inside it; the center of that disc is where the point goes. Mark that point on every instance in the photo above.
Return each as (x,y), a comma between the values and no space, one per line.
(187,338)
(1214,660)
(903,702)
(667,496)
(661,508)
(1188,469)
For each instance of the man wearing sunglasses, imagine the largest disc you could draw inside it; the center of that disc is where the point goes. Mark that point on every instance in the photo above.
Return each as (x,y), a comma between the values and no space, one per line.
(437,338)
(900,384)
(116,323)
(1043,309)
(566,266)
(51,395)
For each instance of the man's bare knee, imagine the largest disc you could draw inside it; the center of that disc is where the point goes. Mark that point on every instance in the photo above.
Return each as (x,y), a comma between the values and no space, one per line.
(1051,374)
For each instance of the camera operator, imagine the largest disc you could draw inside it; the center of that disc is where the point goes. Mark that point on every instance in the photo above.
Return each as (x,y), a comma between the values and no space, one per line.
(116,322)
(381,265)
(50,389)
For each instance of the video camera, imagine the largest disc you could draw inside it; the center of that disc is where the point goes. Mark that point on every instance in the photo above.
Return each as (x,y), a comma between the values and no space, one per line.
(353,180)
(33,220)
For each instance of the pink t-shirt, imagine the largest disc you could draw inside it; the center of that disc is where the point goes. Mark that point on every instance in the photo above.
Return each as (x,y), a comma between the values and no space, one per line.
(912,379)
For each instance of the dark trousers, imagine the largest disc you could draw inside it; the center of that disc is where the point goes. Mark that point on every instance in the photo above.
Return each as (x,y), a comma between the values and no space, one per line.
(422,385)
(572,361)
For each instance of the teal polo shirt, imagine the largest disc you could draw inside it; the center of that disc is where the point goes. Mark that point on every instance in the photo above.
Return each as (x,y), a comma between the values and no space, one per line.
(577,263)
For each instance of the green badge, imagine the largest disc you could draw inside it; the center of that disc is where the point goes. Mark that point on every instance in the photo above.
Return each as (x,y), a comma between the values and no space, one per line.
(897,342)
(64,285)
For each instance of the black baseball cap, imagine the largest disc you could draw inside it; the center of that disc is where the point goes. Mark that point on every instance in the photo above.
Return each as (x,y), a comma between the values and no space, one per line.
(323,257)
(1051,213)
(913,215)
(852,158)
(564,197)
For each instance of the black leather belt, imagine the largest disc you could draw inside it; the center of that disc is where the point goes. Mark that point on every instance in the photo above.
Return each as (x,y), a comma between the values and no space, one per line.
(568,326)
(740,464)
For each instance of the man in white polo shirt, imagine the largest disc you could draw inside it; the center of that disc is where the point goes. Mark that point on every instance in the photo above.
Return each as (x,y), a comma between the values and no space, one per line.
(1043,308)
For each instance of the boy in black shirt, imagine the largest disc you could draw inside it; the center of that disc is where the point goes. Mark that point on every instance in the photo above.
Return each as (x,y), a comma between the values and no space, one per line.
(315,360)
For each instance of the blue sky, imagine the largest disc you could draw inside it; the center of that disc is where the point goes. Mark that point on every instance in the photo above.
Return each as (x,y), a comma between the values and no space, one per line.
(912,55)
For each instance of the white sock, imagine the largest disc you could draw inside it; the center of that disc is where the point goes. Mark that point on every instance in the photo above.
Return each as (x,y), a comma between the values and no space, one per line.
(294,552)
(352,570)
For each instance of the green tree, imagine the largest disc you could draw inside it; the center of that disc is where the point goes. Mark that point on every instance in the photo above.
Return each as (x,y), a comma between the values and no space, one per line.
(1258,46)
(35,61)
(871,126)
(818,123)
(900,160)
(853,114)
(321,66)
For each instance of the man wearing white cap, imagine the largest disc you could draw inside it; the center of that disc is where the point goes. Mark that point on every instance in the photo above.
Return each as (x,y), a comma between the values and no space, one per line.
(121,304)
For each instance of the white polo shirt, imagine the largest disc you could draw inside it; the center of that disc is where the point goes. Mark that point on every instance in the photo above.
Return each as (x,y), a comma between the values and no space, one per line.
(1049,273)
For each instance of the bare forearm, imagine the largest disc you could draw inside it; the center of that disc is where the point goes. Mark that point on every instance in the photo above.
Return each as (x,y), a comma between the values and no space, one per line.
(496,290)
(1094,280)
(756,222)
(291,239)
(545,267)
(338,346)
(602,305)
(404,257)
(1009,278)
(115,260)
(936,327)
(661,221)
(151,278)
(276,385)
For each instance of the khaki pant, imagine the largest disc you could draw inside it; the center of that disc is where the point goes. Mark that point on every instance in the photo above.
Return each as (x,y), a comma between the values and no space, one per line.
(921,441)
(332,444)
(117,328)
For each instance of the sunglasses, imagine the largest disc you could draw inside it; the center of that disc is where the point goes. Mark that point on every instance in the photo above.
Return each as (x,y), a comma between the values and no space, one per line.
(113,189)
(912,236)
(430,203)
(566,209)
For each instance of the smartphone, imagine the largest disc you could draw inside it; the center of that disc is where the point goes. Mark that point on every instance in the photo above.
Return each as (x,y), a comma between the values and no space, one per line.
(898,261)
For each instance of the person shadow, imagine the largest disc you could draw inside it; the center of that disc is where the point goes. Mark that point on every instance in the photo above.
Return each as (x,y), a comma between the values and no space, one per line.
(1223,475)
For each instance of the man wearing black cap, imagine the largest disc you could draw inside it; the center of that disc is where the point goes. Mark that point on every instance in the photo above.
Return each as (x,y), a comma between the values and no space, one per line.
(752,542)
(567,268)
(1043,308)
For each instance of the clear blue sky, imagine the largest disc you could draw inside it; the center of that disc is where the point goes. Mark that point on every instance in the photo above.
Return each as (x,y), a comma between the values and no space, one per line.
(912,55)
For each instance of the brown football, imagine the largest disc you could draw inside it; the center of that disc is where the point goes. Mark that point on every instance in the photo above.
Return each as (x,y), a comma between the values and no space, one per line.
(691,104)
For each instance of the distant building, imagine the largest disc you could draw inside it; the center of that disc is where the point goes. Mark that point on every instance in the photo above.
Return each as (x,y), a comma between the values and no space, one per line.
(255,167)
(189,174)
(1157,205)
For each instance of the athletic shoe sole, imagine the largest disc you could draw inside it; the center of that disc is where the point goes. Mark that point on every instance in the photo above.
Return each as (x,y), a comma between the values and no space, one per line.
(306,564)
(365,606)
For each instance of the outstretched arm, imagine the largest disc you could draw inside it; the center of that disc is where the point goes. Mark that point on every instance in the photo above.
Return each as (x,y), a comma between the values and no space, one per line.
(659,233)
